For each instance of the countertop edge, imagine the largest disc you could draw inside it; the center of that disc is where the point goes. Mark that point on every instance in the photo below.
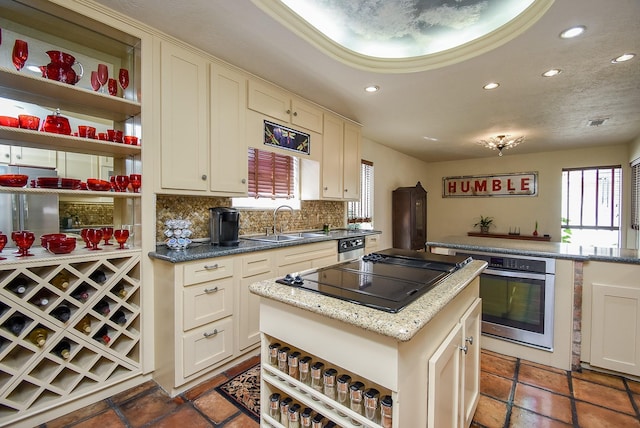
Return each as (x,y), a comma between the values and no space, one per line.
(401,326)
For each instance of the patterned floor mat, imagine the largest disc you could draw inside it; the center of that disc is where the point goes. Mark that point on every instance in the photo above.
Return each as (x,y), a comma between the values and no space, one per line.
(244,391)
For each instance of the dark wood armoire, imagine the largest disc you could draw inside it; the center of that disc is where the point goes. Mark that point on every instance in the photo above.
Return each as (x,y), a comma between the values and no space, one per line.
(409,217)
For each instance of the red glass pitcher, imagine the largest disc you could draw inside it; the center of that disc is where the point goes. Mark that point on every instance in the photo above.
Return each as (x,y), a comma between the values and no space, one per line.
(61,68)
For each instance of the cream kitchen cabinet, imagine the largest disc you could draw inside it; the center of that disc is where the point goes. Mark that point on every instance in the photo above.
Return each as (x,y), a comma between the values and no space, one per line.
(28,156)
(254,267)
(284,107)
(371,243)
(77,165)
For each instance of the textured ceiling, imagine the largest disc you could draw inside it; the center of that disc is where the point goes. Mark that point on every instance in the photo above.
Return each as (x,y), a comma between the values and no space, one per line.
(448,102)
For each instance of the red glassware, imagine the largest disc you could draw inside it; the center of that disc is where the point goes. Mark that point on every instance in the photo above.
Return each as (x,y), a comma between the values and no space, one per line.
(24,240)
(121,236)
(123,79)
(136,182)
(103,75)
(20,54)
(95,236)
(107,233)
(3,242)
(95,84)
(112,87)
(85,238)
(122,182)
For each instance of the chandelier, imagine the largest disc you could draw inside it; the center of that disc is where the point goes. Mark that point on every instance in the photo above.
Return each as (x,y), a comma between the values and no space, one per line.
(501,142)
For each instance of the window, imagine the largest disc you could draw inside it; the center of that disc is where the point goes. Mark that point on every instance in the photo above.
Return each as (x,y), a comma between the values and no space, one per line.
(635,195)
(272,177)
(591,205)
(361,212)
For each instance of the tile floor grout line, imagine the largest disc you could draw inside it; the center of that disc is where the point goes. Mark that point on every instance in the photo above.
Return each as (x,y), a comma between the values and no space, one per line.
(118,412)
(512,394)
(630,394)
(574,409)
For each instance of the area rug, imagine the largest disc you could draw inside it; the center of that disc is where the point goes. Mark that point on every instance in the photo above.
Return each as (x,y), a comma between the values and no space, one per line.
(243,391)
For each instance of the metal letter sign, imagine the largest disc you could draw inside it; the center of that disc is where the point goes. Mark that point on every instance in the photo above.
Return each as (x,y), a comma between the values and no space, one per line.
(514,184)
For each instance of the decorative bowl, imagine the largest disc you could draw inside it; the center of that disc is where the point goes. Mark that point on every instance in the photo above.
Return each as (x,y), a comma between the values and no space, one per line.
(98,185)
(44,239)
(29,122)
(70,183)
(13,122)
(48,182)
(62,245)
(13,180)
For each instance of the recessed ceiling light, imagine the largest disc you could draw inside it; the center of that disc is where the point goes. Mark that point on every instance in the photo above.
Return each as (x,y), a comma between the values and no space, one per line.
(491,85)
(372,88)
(623,58)
(552,72)
(430,138)
(572,32)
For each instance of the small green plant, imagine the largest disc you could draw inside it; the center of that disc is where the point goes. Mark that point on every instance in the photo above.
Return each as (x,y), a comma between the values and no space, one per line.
(485,223)
(566,232)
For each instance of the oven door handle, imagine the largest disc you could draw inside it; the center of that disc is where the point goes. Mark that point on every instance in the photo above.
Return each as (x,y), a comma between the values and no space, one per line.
(513,274)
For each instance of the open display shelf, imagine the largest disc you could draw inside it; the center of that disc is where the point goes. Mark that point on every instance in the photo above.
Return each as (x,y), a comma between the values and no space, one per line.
(38,190)
(33,377)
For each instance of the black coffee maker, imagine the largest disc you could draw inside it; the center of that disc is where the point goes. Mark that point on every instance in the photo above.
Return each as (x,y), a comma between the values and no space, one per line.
(224,224)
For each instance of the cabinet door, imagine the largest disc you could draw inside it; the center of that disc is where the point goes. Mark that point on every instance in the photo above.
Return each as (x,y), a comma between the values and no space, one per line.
(332,157)
(5,154)
(470,376)
(352,160)
(28,156)
(185,119)
(228,143)
(255,267)
(306,115)
(444,382)
(78,165)
(270,100)
(615,324)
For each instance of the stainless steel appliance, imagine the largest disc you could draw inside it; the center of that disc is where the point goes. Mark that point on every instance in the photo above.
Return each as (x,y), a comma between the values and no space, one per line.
(37,213)
(350,248)
(387,280)
(224,225)
(517,298)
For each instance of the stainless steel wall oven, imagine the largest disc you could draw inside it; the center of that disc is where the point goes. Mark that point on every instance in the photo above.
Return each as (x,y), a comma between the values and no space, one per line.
(517,298)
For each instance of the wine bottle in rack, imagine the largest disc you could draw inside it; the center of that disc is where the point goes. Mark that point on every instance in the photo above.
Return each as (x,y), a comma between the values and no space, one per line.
(61,281)
(119,317)
(84,325)
(119,290)
(98,276)
(18,286)
(38,336)
(81,293)
(61,313)
(40,300)
(63,350)
(103,336)
(15,324)
(103,307)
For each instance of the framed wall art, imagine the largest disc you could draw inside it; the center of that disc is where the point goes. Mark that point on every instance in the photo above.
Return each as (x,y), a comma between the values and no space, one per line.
(286,138)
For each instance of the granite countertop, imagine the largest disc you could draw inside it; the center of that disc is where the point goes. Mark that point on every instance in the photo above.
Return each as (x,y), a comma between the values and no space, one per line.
(555,250)
(401,326)
(204,250)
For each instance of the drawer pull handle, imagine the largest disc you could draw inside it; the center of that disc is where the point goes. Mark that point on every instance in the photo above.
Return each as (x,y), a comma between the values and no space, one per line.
(211,267)
(215,333)
(211,290)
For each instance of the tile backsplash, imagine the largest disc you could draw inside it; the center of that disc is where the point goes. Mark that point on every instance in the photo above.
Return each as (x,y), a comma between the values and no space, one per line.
(312,215)
(87,214)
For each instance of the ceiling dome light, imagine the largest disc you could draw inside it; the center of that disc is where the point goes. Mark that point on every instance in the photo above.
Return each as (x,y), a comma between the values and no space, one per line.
(552,72)
(623,58)
(572,32)
(491,85)
(372,88)
(501,142)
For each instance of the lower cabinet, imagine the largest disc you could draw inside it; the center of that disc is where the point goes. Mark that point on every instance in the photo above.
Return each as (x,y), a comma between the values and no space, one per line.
(254,267)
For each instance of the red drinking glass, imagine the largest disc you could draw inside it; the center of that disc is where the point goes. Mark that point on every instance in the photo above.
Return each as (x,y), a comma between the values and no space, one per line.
(107,233)
(136,182)
(95,236)
(103,75)
(122,182)
(123,79)
(20,54)
(3,242)
(121,236)
(112,87)
(24,240)
(95,83)
(85,238)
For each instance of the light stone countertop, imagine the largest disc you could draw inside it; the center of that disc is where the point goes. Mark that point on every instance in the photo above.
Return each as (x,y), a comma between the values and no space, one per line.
(401,326)
(555,250)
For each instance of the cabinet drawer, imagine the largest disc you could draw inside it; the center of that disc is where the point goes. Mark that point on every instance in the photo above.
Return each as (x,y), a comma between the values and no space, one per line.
(207,302)
(207,345)
(307,253)
(256,264)
(209,270)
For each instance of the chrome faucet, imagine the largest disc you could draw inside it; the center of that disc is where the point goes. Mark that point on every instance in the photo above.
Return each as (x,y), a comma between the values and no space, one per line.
(275,217)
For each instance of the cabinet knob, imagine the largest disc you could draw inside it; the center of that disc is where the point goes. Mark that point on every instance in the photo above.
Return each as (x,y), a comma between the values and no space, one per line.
(295,113)
(18,156)
(346,190)
(7,156)
(464,349)
(326,188)
(243,181)
(469,339)
(213,333)
(288,111)
(204,177)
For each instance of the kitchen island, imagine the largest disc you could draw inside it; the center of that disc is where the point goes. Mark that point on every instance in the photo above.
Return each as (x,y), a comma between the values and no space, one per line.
(426,353)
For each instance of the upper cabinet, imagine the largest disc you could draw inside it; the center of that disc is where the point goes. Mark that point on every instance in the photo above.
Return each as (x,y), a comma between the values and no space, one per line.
(284,107)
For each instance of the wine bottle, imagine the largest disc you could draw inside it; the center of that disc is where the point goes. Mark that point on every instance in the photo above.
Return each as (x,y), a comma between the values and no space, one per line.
(40,300)
(15,324)
(119,290)
(81,293)
(38,336)
(103,336)
(18,286)
(84,325)
(61,313)
(63,350)
(119,317)
(61,281)
(103,307)
(98,276)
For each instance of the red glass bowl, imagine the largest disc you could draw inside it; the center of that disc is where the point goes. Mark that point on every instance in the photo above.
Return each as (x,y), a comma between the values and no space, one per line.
(44,239)
(48,182)
(98,185)
(62,245)
(29,122)
(9,121)
(70,183)
(13,180)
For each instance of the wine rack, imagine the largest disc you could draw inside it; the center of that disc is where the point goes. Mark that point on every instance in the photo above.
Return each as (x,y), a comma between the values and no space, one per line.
(35,377)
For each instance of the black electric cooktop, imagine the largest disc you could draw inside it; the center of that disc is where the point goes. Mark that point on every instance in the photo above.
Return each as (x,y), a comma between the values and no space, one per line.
(387,280)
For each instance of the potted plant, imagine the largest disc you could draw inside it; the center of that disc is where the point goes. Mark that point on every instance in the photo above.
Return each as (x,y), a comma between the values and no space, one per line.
(484,223)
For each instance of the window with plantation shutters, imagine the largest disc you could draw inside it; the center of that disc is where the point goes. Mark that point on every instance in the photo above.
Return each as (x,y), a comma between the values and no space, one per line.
(635,194)
(362,211)
(271,175)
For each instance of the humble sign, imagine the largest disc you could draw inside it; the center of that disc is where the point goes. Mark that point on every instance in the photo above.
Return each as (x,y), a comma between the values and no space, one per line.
(516,184)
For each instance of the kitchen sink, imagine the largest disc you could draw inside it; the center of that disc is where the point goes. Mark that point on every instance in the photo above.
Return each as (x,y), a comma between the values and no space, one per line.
(275,238)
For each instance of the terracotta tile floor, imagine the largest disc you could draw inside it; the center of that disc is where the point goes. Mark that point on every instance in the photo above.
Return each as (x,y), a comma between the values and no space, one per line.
(514,393)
